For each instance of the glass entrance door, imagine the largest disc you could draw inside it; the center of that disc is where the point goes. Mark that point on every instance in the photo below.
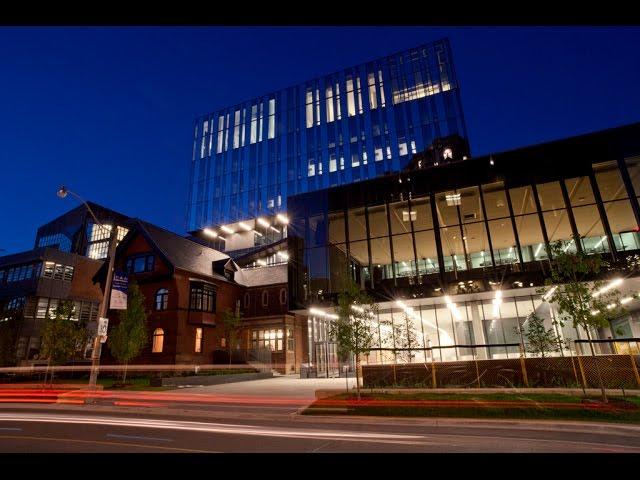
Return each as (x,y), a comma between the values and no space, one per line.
(321,358)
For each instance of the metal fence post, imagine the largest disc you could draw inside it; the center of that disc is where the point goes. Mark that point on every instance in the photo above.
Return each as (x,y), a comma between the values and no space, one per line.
(584,379)
(433,371)
(523,367)
(475,359)
(635,369)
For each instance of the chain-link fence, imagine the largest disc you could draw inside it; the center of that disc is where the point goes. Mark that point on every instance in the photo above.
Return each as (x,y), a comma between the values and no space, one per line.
(614,365)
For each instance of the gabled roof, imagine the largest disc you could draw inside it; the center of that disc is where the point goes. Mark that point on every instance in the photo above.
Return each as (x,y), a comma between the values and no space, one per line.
(181,252)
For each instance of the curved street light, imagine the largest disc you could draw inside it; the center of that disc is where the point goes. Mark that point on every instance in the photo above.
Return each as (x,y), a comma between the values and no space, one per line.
(102,313)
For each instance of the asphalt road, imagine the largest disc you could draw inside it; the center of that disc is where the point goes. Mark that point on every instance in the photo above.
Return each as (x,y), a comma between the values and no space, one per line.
(64,429)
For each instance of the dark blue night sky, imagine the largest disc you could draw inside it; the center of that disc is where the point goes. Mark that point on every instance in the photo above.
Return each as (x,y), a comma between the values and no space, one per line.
(109,111)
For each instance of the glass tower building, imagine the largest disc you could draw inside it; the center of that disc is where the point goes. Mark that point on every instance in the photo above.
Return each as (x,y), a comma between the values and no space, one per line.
(355,124)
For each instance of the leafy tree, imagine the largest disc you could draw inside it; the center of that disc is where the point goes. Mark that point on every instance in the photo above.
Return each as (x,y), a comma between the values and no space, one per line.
(353,330)
(10,324)
(540,340)
(231,322)
(129,337)
(63,335)
(580,299)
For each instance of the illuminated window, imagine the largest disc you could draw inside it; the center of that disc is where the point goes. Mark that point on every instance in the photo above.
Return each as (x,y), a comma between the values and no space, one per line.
(244,122)
(338,110)
(158,340)
(220,133)
(162,299)
(271,339)
(98,250)
(254,124)
(351,102)
(373,101)
(205,131)
(236,129)
(402,146)
(329,96)
(260,118)
(122,232)
(226,134)
(272,118)
(97,232)
(332,163)
(68,273)
(309,109)
(198,346)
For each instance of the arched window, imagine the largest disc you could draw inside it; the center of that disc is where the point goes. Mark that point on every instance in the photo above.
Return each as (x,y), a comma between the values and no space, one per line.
(283,296)
(162,299)
(247,299)
(158,340)
(265,298)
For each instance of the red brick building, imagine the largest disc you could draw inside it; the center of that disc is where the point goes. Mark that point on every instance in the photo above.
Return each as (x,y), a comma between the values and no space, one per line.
(187,286)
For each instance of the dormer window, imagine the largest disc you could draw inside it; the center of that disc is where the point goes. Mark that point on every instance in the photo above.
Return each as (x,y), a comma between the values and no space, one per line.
(140,263)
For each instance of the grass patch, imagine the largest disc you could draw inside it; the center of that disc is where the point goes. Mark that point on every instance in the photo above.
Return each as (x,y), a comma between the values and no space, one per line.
(475,405)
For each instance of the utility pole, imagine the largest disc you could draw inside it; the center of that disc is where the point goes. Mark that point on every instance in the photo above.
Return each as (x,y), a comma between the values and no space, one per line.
(106,298)
(104,308)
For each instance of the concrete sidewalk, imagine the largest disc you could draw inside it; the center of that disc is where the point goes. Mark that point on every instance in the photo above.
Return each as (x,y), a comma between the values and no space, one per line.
(287,386)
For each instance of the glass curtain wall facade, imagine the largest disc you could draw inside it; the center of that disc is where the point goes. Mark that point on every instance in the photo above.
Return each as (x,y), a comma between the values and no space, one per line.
(470,228)
(352,125)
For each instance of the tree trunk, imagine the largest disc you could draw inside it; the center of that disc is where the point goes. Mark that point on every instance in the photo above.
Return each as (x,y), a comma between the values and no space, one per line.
(595,359)
(124,376)
(358,375)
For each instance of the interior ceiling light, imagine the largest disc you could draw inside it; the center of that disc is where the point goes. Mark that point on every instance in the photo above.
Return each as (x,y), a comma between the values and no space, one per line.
(245,226)
(453,199)
(211,233)
(282,219)
(263,222)
(614,283)
(224,228)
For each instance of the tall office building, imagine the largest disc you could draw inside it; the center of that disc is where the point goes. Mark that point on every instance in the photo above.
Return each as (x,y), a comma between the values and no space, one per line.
(355,124)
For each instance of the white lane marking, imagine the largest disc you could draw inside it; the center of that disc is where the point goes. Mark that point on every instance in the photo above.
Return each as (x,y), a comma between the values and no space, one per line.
(10,429)
(136,437)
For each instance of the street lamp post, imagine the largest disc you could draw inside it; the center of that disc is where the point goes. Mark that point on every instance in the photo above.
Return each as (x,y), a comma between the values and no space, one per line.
(104,304)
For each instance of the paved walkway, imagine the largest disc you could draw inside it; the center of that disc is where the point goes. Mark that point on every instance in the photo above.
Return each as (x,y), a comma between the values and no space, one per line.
(287,386)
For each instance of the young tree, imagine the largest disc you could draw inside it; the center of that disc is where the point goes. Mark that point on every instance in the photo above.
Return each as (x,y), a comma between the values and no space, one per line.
(129,337)
(402,336)
(63,335)
(580,299)
(231,322)
(540,340)
(10,324)
(353,330)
